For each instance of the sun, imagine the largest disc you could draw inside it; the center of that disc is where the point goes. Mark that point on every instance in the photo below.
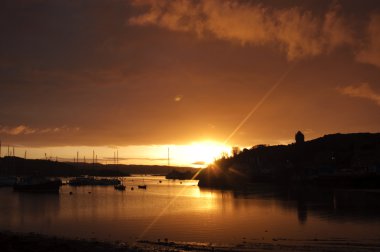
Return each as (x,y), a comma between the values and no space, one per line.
(201,153)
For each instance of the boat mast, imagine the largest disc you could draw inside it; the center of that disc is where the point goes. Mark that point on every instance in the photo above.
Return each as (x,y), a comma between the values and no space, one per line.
(168,156)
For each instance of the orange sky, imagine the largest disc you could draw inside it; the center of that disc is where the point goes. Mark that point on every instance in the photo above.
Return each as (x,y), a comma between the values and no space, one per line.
(141,73)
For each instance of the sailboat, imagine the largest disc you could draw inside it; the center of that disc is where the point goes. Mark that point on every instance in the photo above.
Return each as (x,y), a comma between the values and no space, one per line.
(120,187)
(37,184)
(143,186)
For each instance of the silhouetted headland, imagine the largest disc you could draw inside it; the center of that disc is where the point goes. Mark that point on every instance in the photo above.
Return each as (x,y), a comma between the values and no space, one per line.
(344,160)
(15,166)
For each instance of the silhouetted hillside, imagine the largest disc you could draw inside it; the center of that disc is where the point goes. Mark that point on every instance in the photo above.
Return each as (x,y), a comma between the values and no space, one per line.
(337,159)
(23,167)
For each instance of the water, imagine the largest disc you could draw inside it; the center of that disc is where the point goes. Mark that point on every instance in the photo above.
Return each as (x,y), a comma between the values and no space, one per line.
(184,212)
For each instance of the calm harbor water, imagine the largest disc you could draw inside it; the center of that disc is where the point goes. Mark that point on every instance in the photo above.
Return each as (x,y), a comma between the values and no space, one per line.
(184,212)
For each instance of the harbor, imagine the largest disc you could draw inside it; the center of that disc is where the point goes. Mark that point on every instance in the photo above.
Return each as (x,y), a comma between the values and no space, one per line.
(183,213)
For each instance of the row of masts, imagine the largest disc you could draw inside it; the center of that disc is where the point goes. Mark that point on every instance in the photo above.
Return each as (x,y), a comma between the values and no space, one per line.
(11,153)
(94,158)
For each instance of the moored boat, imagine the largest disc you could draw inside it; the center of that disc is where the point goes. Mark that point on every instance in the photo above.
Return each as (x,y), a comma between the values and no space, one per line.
(120,187)
(141,186)
(7,181)
(37,184)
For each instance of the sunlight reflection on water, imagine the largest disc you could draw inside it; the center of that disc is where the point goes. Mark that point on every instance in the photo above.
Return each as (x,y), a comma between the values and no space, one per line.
(199,215)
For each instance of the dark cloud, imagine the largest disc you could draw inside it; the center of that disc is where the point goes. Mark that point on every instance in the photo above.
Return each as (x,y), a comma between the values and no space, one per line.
(296,30)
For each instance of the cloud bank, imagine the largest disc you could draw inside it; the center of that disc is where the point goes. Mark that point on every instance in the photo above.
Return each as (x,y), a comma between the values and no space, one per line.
(362,90)
(26,130)
(18,130)
(296,31)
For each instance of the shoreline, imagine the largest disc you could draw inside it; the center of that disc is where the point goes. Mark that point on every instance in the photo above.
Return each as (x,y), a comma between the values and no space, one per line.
(14,241)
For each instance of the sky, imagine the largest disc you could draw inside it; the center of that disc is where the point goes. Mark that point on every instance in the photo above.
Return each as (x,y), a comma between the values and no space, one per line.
(142,76)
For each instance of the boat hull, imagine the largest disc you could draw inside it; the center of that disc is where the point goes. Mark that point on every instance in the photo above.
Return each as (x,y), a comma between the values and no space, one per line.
(120,187)
(7,181)
(48,187)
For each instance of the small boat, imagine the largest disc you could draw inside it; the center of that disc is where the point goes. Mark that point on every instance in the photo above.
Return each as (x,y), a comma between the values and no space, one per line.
(142,186)
(120,187)
(37,184)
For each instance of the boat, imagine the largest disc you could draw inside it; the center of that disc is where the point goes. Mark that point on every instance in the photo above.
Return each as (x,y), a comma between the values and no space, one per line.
(91,181)
(120,187)
(143,186)
(7,181)
(37,184)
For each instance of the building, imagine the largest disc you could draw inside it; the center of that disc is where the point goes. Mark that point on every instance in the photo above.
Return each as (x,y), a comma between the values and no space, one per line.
(300,138)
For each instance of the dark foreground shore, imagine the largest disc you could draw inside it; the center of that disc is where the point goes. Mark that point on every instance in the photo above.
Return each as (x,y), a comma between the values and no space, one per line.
(32,242)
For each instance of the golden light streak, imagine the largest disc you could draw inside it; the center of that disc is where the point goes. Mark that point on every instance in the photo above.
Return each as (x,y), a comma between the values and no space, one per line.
(257,106)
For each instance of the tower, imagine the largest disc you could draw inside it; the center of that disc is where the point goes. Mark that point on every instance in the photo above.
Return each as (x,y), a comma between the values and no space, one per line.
(300,138)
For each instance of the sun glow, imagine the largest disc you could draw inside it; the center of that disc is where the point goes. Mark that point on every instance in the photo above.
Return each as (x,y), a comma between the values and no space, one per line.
(199,153)
(196,154)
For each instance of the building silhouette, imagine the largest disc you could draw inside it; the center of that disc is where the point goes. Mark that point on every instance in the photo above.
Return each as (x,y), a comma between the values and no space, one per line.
(300,138)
